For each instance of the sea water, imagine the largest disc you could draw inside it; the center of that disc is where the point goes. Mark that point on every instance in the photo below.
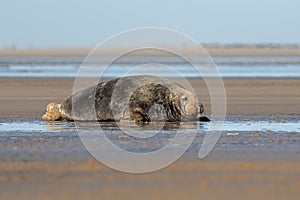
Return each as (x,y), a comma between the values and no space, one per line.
(229,67)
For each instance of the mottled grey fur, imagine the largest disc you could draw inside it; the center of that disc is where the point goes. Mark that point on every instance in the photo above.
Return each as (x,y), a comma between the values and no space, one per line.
(150,98)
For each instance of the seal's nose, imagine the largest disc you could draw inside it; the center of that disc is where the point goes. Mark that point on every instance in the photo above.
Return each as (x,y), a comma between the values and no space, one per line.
(201,108)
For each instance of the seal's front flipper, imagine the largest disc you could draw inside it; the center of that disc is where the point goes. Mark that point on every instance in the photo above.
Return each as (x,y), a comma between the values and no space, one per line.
(139,115)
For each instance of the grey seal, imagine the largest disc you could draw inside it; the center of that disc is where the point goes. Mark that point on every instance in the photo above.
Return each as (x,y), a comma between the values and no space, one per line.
(133,98)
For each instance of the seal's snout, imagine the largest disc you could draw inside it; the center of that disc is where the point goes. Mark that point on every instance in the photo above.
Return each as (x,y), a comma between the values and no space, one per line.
(201,107)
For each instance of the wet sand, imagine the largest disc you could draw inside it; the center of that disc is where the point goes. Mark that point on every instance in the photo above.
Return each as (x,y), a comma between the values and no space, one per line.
(27,98)
(65,170)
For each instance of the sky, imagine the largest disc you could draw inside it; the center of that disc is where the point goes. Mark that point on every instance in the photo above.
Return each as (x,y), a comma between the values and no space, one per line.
(63,23)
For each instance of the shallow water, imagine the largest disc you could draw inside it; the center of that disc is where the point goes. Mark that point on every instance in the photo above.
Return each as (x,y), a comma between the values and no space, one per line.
(70,71)
(229,126)
(229,67)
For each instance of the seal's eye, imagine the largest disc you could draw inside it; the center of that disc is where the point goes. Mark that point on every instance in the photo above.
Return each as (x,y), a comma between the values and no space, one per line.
(184,98)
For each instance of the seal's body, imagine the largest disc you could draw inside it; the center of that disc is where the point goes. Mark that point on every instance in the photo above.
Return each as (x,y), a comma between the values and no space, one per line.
(133,98)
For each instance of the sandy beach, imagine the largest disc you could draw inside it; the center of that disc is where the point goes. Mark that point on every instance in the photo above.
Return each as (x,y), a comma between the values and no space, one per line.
(50,50)
(44,168)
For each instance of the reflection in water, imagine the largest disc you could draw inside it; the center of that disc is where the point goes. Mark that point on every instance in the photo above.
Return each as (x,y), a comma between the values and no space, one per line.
(58,126)
(151,135)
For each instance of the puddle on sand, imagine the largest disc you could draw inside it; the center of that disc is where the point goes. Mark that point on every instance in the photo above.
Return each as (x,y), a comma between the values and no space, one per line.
(229,126)
(35,126)
(262,126)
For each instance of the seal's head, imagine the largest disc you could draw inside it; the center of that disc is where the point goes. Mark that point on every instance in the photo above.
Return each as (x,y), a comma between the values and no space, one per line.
(53,112)
(190,107)
(168,102)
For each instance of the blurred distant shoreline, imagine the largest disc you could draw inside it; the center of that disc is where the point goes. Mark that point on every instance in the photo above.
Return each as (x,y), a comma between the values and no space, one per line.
(214,50)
